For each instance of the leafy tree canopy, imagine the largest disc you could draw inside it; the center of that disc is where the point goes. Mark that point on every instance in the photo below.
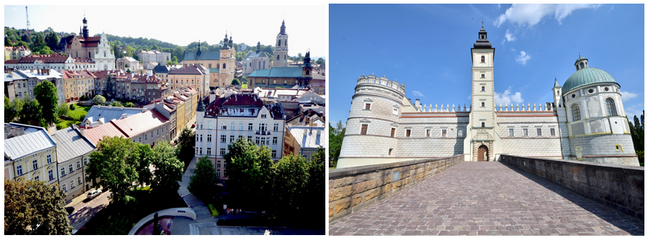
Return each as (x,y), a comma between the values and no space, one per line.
(45,93)
(250,175)
(99,99)
(202,182)
(32,207)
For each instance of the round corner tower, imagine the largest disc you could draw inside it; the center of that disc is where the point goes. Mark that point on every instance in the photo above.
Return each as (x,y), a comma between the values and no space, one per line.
(371,130)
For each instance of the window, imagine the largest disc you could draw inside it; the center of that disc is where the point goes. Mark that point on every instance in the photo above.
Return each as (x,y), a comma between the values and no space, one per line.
(511,132)
(209,137)
(79,180)
(576,112)
(390,151)
(218,164)
(49,159)
(408,132)
(240,137)
(19,170)
(539,132)
(482,124)
(482,59)
(241,126)
(223,126)
(482,88)
(232,138)
(483,76)
(37,178)
(525,131)
(201,151)
(444,132)
(611,107)
(222,151)
(262,126)
(71,184)
(223,138)
(35,164)
(232,126)
(65,189)
(257,140)
(276,127)
(275,140)
(367,107)
(428,133)
(78,164)
(209,151)
(200,138)
(364,129)
(70,167)
(552,131)
(263,115)
(460,133)
(392,132)
(250,126)
(482,104)
(51,174)
(62,171)
(274,154)
(250,138)
(224,65)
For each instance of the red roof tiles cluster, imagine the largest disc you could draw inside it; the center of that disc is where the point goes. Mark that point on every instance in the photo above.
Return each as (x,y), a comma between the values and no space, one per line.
(218,106)
(72,73)
(54,58)
(126,127)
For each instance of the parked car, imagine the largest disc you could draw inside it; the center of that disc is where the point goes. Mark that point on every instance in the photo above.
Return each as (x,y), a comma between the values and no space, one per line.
(70,210)
(94,193)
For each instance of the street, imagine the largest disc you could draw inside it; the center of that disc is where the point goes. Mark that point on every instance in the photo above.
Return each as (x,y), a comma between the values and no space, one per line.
(86,210)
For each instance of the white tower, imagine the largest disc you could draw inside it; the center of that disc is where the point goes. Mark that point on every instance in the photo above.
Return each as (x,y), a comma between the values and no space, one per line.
(281,51)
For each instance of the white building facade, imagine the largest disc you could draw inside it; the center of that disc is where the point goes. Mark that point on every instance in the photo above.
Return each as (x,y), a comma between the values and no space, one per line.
(586,121)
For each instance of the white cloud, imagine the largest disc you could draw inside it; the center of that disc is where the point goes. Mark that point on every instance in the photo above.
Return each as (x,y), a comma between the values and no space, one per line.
(523,58)
(509,36)
(418,94)
(512,49)
(627,95)
(531,14)
(507,97)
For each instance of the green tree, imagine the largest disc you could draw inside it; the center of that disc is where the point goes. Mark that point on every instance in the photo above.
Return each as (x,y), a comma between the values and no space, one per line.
(99,99)
(335,141)
(235,82)
(289,184)
(314,203)
(144,157)
(22,43)
(39,43)
(116,104)
(129,51)
(115,166)
(250,175)
(46,51)
(45,93)
(637,131)
(110,85)
(62,110)
(8,42)
(202,182)
(185,149)
(12,109)
(52,40)
(33,207)
(30,113)
(320,61)
(129,104)
(239,56)
(168,169)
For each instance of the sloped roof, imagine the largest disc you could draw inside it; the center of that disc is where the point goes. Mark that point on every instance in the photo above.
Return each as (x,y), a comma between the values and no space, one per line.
(278,72)
(70,144)
(161,69)
(138,123)
(33,140)
(13,76)
(189,70)
(207,55)
(103,131)
(109,113)
(53,58)
(255,54)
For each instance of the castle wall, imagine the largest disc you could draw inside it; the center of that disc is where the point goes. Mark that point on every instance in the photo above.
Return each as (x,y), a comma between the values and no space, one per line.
(602,149)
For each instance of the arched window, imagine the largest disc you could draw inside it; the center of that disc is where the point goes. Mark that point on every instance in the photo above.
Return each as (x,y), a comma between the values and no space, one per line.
(482,59)
(224,66)
(576,112)
(611,107)
(209,65)
(278,57)
(279,42)
(89,55)
(582,65)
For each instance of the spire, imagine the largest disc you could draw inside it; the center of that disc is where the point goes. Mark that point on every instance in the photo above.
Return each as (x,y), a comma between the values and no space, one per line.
(198,51)
(482,41)
(225,42)
(282,28)
(200,107)
(258,47)
(556,85)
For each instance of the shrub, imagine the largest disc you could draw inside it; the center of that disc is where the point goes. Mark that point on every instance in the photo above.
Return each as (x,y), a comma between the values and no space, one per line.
(72,106)
(83,98)
(213,210)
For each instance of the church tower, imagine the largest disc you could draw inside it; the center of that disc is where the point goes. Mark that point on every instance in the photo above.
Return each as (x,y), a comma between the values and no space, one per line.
(85,29)
(281,51)
(481,142)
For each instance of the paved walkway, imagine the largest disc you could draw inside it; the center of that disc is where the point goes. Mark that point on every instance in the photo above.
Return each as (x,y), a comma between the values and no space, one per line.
(486,198)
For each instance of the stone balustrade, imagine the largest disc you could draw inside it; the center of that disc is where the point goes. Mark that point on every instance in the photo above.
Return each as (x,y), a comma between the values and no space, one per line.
(352,189)
(615,186)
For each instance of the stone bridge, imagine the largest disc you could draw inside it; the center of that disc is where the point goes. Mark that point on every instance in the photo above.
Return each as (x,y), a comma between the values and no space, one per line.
(516,196)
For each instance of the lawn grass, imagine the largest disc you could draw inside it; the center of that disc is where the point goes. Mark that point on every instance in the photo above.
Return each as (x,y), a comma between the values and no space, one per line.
(244,86)
(119,218)
(79,112)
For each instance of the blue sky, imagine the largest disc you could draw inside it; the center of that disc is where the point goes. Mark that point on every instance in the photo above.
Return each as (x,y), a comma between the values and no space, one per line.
(427,47)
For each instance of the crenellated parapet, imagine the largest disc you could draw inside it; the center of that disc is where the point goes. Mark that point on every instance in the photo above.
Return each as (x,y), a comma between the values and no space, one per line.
(546,107)
(382,81)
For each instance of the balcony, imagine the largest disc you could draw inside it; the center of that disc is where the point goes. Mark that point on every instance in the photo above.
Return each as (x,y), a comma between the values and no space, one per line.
(263,133)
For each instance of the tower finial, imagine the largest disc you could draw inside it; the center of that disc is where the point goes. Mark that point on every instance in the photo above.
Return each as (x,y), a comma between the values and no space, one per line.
(481,22)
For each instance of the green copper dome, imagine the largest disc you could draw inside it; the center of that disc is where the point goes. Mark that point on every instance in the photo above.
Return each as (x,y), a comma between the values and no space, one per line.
(585,77)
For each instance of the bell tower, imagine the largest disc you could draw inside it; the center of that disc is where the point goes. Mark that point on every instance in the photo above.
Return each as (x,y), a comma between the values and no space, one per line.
(481,142)
(281,51)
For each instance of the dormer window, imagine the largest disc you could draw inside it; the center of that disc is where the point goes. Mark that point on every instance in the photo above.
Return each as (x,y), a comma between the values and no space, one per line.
(263,116)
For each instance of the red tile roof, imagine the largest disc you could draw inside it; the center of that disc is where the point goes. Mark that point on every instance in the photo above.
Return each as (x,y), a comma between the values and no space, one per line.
(103,131)
(54,58)
(83,73)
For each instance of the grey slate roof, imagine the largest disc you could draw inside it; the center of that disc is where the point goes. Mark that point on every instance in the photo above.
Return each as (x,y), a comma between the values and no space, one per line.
(160,69)
(207,55)
(35,139)
(278,72)
(97,112)
(70,144)
(256,54)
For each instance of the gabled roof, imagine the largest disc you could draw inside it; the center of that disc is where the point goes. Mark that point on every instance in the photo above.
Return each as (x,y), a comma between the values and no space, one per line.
(67,74)
(248,102)
(54,58)
(110,113)
(161,69)
(103,131)
(278,72)
(70,144)
(33,140)
(207,55)
(140,122)
(189,70)
(255,54)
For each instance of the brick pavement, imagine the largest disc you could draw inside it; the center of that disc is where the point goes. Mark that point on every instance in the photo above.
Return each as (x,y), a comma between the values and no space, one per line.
(486,198)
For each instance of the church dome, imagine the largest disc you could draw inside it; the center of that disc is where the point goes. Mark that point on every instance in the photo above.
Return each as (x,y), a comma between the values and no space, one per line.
(585,77)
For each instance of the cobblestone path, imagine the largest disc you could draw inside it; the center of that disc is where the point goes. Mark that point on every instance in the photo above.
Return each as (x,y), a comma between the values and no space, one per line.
(486,198)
